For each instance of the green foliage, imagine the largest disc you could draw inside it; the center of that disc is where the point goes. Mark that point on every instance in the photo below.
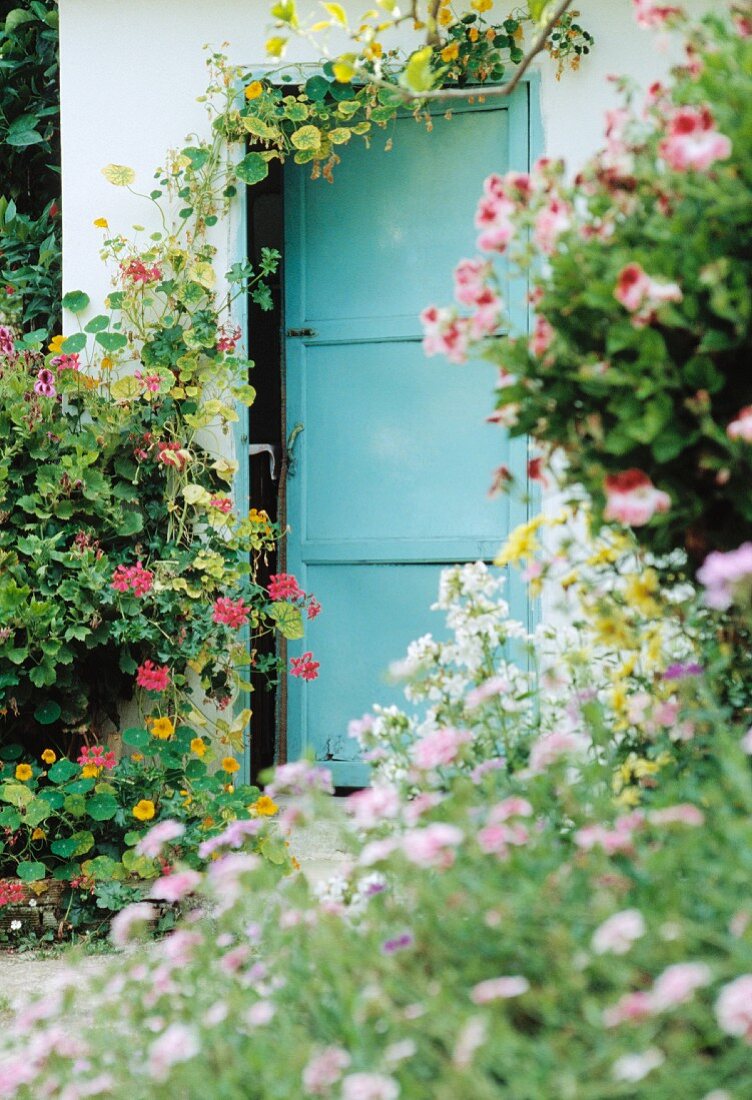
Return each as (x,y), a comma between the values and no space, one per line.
(81,822)
(30,138)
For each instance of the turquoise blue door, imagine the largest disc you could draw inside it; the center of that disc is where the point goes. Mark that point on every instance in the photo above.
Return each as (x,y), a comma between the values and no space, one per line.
(391,470)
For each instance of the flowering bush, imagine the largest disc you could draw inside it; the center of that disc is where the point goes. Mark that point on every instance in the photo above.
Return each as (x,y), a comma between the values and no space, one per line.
(84,822)
(519,936)
(640,267)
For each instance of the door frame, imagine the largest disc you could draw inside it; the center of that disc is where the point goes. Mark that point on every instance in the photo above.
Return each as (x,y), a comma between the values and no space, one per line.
(526,144)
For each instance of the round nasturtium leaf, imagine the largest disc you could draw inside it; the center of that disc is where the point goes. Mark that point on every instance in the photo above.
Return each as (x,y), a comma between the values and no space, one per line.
(47,713)
(30,871)
(119,175)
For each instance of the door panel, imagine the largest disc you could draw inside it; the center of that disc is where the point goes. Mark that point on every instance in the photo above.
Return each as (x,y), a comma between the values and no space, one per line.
(390,473)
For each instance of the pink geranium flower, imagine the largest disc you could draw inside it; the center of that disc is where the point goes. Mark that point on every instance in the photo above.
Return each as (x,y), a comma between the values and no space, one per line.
(304,667)
(373,805)
(232,613)
(162,833)
(632,499)
(132,577)
(284,586)
(733,1008)
(175,887)
(641,295)
(741,428)
(552,220)
(439,747)
(726,576)
(617,934)
(152,677)
(445,334)
(692,141)
(542,337)
(432,846)
(651,14)
(45,383)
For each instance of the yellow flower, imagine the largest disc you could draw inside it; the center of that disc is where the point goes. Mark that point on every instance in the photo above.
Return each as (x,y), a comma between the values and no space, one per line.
(482,5)
(640,592)
(264,806)
(106,363)
(207,823)
(48,756)
(520,544)
(630,796)
(445,17)
(198,746)
(619,699)
(228,788)
(56,345)
(162,728)
(144,810)
(38,834)
(23,772)
(137,757)
(230,765)
(90,771)
(473,34)
(254,89)
(101,223)
(450,52)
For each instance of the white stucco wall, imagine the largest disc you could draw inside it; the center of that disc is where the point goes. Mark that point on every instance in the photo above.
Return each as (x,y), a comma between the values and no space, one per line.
(132,70)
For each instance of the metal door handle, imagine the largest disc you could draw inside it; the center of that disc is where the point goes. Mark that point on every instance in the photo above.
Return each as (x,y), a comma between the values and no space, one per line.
(275,454)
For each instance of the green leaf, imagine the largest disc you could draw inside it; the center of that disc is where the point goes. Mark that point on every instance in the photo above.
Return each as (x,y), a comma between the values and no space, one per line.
(73,344)
(36,812)
(97,324)
(137,738)
(102,807)
(289,620)
(47,713)
(119,175)
(111,341)
(307,138)
(418,75)
(11,751)
(29,871)
(316,88)
(252,169)
(133,522)
(197,157)
(103,867)
(15,18)
(75,805)
(75,301)
(16,793)
(62,771)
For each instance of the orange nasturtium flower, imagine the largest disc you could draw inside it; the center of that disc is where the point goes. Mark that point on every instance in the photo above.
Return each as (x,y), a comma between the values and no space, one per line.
(49,756)
(198,746)
(144,810)
(162,728)
(264,806)
(254,89)
(23,773)
(230,765)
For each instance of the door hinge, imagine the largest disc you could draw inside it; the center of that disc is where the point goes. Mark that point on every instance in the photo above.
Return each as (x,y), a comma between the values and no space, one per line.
(302,332)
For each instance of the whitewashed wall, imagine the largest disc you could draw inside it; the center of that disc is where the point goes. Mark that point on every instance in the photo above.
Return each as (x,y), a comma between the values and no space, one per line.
(132,69)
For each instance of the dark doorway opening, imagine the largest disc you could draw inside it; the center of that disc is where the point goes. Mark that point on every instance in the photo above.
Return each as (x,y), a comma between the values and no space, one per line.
(266,444)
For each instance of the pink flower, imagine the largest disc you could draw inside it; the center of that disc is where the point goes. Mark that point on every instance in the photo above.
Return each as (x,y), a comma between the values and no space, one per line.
(733,1008)
(372,805)
(650,13)
(232,837)
(66,362)
(495,838)
(152,677)
(358,728)
(632,499)
(493,217)
(96,755)
(305,667)
(619,932)
(179,1043)
(231,613)
(133,577)
(741,428)
(726,576)
(138,271)
(439,747)
(552,220)
(175,887)
(489,689)
(692,142)
(551,747)
(682,814)
(432,846)
(314,608)
(45,383)
(445,334)
(324,1070)
(542,338)
(676,985)
(631,1008)
(130,923)
(7,342)
(497,989)
(300,777)
(642,295)
(369,1086)
(284,586)
(470,281)
(172,454)
(222,504)
(151,844)
(514,806)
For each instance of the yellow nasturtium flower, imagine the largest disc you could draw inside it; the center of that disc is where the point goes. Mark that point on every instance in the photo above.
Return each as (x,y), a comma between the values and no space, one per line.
(230,765)
(144,810)
(198,746)
(48,756)
(23,773)
(38,834)
(56,344)
(264,806)
(90,771)
(450,52)
(254,89)
(162,728)
(101,223)
(481,5)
